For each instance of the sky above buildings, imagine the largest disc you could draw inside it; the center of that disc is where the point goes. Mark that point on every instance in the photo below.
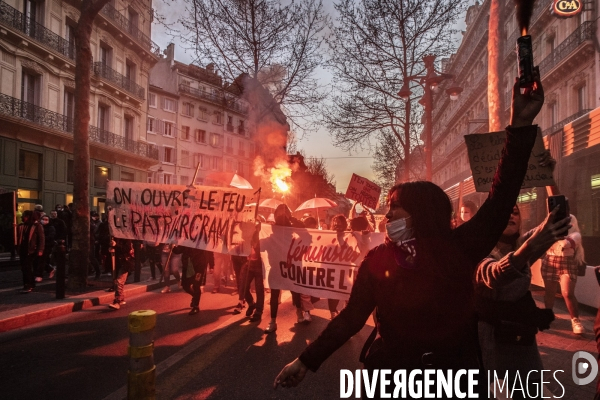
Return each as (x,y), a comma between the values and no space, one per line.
(316,143)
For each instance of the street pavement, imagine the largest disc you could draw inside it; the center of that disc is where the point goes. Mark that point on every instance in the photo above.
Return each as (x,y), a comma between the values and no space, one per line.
(214,355)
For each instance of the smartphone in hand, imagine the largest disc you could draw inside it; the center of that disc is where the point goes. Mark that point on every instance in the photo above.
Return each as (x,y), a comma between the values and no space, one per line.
(563,203)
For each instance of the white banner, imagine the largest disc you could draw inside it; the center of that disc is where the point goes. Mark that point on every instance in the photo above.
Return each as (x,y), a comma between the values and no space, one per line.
(209,218)
(319,263)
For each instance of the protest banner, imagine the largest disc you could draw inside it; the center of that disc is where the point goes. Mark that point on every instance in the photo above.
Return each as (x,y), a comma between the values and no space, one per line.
(309,261)
(204,217)
(485,150)
(363,191)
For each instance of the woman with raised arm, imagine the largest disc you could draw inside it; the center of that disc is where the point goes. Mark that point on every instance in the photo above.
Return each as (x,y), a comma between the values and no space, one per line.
(421,280)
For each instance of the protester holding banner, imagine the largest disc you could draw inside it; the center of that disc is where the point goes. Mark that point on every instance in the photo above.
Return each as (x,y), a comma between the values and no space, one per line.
(252,270)
(283,217)
(421,280)
(171,259)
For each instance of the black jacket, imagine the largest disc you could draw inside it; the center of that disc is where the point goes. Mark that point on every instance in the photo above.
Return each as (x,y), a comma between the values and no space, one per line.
(429,308)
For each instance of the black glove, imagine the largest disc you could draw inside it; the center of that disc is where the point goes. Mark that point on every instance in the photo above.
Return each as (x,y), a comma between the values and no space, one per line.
(543,318)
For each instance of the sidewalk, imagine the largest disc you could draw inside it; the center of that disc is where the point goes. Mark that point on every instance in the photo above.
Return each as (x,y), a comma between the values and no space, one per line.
(18,310)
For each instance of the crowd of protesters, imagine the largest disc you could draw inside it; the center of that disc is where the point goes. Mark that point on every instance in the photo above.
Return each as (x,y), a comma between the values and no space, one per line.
(448,293)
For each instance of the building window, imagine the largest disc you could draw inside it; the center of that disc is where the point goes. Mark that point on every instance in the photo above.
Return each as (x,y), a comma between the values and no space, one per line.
(215,140)
(200,161)
(133,18)
(168,104)
(105,55)
(185,158)
(168,129)
(200,136)
(69,109)
(70,38)
(130,70)
(30,88)
(553,108)
(188,110)
(127,176)
(216,163)
(30,165)
(229,123)
(218,118)
(103,113)
(152,100)
(128,129)
(151,125)
(34,11)
(185,133)
(101,176)
(169,155)
(229,146)
(241,128)
(202,114)
(167,179)
(581,99)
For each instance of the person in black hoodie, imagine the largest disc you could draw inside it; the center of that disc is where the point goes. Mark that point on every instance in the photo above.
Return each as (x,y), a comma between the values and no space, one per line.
(43,263)
(125,263)
(30,242)
(421,279)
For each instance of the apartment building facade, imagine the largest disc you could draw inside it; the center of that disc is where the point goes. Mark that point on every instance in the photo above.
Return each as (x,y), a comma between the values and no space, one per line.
(213,134)
(37,71)
(566,51)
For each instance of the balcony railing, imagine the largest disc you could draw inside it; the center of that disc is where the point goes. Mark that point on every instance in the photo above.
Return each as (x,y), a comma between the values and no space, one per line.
(585,31)
(120,80)
(40,116)
(559,125)
(19,21)
(111,13)
(214,98)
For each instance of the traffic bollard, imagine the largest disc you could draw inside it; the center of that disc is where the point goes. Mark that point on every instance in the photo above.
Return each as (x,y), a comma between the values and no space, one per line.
(142,371)
(60,256)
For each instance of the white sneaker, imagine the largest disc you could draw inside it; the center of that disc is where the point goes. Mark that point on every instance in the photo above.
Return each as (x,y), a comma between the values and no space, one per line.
(577,326)
(115,306)
(38,278)
(166,289)
(300,315)
(307,317)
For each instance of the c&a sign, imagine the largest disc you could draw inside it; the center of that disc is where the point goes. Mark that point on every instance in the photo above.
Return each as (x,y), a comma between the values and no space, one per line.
(567,8)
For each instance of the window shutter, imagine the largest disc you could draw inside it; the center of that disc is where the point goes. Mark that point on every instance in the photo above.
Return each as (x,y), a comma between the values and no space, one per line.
(162,102)
(161,154)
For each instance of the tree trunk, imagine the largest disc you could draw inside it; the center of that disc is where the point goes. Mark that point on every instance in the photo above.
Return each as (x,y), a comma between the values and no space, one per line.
(495,51)
(407,110)
(79,256)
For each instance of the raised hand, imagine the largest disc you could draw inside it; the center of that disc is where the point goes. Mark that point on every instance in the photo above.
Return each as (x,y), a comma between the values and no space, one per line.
(527,105)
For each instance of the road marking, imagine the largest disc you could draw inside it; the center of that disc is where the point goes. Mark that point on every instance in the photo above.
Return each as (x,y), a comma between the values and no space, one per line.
(200,361)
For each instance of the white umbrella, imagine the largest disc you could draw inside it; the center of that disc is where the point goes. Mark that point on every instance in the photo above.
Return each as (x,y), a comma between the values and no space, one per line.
(316,203)
(270,203)
(228,179)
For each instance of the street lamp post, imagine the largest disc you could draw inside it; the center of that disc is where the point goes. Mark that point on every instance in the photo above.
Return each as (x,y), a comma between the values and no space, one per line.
(430,82)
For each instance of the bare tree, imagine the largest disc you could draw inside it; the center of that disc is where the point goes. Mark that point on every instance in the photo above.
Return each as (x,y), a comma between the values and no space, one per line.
(279,45)
(78,258)
(375,47)
(318,168)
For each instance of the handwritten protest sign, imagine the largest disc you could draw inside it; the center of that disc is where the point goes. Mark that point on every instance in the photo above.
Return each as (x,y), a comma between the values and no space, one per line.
(485,151)
(209,218)
(364,191)
(310,261)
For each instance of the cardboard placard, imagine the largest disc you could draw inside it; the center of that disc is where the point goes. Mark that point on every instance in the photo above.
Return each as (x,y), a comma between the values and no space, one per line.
(363,191)
(485,150)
